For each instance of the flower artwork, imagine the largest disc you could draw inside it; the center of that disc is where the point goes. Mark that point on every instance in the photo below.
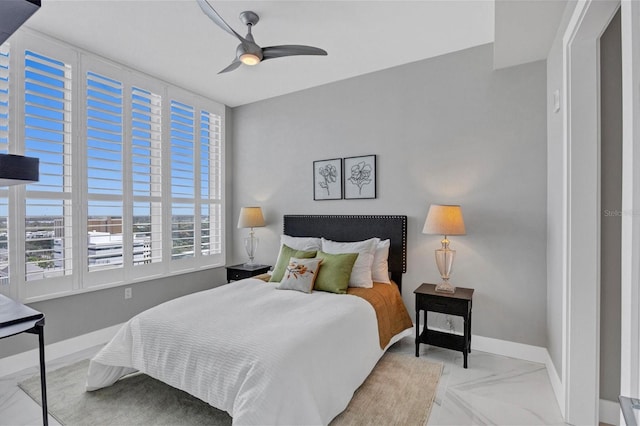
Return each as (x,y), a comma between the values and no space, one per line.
(327,179)
(360,177)
(329,173)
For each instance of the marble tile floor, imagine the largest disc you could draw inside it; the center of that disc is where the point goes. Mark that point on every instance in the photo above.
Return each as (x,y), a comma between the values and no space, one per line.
(494,390)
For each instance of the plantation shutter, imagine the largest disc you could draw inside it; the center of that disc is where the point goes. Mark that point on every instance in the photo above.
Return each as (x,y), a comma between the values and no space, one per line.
(211,183)
(47,135)
(182,180)
(104,172)
(146,169)
(4,149)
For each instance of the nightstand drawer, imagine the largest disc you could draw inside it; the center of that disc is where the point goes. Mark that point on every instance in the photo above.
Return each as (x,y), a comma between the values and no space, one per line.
(242,271)
(238,275)
(443,305)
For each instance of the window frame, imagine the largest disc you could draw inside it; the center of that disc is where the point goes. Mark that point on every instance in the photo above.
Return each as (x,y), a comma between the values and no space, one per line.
(82,280)
(198,103)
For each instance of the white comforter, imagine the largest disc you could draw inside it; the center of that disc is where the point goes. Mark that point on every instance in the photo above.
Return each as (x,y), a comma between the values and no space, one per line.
(265,356)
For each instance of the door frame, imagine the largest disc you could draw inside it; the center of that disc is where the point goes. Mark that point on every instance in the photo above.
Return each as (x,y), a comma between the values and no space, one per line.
(581,280)
(630,238)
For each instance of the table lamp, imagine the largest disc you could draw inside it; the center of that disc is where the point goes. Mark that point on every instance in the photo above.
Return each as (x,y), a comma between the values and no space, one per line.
(444,220)
(250,217)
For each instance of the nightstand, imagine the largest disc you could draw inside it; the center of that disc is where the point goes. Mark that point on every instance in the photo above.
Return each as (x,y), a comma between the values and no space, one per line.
(241,271)
(458,303)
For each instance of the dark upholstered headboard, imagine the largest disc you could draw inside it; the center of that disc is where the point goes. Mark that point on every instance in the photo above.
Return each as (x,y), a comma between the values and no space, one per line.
(356,228)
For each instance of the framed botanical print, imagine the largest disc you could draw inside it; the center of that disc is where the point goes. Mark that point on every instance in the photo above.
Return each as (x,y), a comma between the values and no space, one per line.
(360,177)
(327,179)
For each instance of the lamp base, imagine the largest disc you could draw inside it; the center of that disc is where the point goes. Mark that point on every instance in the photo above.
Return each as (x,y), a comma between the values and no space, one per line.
(445,287)
(251,245)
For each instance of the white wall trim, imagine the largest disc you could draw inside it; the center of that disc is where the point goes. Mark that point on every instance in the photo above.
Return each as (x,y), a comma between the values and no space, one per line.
(581,334)
(630,238)
(556,383)
(511,349)
(18,362)
(609,412)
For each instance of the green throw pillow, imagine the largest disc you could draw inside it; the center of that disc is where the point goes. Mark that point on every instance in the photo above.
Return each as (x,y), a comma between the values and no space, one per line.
(334,274)
(287,253)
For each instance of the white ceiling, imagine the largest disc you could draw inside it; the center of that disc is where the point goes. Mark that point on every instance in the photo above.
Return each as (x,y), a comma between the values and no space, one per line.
(524,30)
(175,41)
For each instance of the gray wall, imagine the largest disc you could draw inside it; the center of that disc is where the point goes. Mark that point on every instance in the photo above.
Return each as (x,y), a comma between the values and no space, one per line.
(555,196)
(446,130)
(611,202)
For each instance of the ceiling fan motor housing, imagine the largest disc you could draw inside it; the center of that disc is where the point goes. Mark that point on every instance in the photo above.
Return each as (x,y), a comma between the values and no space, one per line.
(249,18)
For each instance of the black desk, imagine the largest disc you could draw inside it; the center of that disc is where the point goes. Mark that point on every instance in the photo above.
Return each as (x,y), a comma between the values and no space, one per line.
(16,318)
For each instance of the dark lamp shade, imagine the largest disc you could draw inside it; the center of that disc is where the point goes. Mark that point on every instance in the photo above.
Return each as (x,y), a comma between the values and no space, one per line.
(17,169)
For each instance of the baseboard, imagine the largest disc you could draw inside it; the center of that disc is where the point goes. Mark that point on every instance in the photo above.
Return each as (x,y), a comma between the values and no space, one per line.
(510,349)
(609,412)
(18,362)
(556,383)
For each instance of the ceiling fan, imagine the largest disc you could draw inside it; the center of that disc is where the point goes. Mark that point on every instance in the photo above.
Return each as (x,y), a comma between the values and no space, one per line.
(248,52)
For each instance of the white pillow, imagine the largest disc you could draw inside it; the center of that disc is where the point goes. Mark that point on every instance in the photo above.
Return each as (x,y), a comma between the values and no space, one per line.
(301,243)
(380,266)
(361,272)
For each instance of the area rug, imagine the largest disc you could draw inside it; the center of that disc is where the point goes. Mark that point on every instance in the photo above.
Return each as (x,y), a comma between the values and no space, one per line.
(400,390)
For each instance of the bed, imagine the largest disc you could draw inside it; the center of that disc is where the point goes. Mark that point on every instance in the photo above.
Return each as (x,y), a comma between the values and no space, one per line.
(267,356)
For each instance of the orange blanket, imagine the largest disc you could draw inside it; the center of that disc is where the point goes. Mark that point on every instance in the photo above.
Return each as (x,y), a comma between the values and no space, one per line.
(390,310)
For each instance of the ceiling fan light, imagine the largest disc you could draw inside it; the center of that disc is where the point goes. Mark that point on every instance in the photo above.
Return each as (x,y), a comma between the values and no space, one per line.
(249,59)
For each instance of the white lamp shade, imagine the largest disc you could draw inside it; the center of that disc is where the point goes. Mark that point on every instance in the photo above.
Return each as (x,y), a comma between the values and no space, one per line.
(444,220)
(250,217)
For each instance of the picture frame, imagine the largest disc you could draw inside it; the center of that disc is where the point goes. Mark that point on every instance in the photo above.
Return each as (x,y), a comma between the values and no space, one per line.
(327,179)
(360,177)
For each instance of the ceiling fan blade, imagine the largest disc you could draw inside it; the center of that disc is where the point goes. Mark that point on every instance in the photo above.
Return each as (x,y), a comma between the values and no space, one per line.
(215,17)
(235,64)
(272,52)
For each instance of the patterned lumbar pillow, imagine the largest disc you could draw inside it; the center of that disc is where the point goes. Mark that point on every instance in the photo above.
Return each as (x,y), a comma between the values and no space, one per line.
(300,274)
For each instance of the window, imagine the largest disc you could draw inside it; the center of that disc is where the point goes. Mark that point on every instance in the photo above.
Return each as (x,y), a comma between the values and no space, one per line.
(47,136)
(4,149)
(210,183)
(183,218)
(104,172)
(146,176)
(130,185)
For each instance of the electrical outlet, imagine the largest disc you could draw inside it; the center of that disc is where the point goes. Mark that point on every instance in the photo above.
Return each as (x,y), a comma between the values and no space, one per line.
(127,293)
